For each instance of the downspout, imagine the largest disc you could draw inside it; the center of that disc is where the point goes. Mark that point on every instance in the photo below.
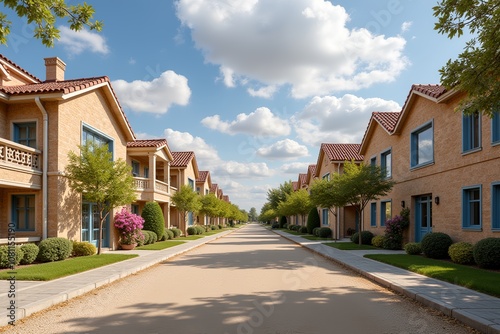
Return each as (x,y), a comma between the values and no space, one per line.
(44,167)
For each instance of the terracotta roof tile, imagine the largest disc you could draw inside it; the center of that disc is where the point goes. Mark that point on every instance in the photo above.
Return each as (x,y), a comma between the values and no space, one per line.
(295,185)
(311,170)
(148,143)
(182,159)
(387,119)
(213,188)
(302,179)
(434,91)
(342,152)
(203,174)
(65,87)
(225,198)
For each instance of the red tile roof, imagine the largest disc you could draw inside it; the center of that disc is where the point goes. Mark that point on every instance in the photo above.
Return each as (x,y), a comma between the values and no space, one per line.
(203,174)
(148,143)
(182,159)
(387,120)
(213,188)
(19,68)
(311,170)
(434,91)
(65,87)
(226,198)
(302,179)
(342,152)
(295,185)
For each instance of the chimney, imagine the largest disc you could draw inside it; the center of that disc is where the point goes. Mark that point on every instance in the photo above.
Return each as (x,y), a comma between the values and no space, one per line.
(54,69)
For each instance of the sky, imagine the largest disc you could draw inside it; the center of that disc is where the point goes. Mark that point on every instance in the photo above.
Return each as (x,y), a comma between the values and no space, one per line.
(253,87)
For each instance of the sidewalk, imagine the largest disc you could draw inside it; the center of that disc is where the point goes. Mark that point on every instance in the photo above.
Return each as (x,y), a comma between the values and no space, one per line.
(478,310)
(34,296)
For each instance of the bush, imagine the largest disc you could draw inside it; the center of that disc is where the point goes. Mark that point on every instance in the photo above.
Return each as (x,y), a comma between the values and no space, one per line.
(275,225)
(487,253)
(283,222)
(191,230)
(313,220)
(213,227)
(147,237)
(394,232)
(177,232)
(54,249)
(461,253)
(140,238)
(152,237)
(83,249)
(378,241)
(199,229)
(324,232)
(30,253)
(366,237)
(303,229)
(435,245)
(153,218)
(168,235)
(315,231)
(9,260)
(413,248)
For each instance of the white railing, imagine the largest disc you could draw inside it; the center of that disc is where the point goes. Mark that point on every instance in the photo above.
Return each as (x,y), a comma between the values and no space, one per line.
(141,183)
(19,155)
(161,186)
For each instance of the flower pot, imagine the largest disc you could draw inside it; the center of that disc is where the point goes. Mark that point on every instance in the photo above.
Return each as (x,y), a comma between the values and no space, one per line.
(127,247)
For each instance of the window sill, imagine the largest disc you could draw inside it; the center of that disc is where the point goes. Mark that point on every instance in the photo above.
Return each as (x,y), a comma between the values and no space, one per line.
(472,229)
(474,150)
(495,143)
(427,164)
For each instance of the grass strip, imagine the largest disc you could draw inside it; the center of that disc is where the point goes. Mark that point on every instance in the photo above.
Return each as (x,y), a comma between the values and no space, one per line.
(349,246)
(161,245)
(315,238)
(471,277)
(52,270)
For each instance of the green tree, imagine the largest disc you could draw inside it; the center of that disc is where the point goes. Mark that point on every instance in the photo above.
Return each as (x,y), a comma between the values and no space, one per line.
(360,184)
(277,195)
(186,200)
(252,215)
(44,13)
(153,218)
(296,203)
(313,220)
(477,69)
(100,180)
(210,206)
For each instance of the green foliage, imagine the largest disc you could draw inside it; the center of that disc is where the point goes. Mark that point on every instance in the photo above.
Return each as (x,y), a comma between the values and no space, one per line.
(461,253)
(10,256)
(214,227)
(83,249)
(275,225)
(54,249)
(186,200)
(326,194)
(366,237)
(150,237)
(146,239)
(315,231)
(283,221)
(324,232)
(313,220)
(153,218)
(200,229)
(413,248)
(435,245)
(168,235)
(295,203)
(487,253)
(378,241)
(177,232)
(191,230)
(30,253)
(277,195)
(303,229)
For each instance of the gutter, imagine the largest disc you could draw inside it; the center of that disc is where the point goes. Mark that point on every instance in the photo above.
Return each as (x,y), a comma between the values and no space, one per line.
(45,166)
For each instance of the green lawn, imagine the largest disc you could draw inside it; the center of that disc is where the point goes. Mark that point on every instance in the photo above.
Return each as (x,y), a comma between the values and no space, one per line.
(314,238)
(348,245)
(468,276)
(52,270)
(161,245)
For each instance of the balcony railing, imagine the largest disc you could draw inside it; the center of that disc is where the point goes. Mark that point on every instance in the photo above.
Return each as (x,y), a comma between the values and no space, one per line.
(17,155)
(142,184)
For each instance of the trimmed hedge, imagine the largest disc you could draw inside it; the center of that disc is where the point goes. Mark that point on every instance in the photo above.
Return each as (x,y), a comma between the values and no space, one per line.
(191,230)
(378,241)
(487,253)
(30,253)
(303,229)
(324,232)
(274,225)
(54,249)
(7,260)
(283,222)
(313,220)
(366,237)
(168,235)
(413,248)
(177,232)
(199,229)
(153,219)
(435,245)
(461,253)
(83,249)
(315,231)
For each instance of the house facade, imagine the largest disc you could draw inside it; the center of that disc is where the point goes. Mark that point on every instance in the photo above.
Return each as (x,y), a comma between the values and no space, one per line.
(203,185)
(446,167)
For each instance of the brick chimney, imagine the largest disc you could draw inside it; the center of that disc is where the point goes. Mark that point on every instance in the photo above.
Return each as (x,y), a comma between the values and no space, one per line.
(54,69)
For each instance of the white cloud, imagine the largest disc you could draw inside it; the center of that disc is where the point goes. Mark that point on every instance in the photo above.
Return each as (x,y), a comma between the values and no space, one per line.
(303,44)
(155,96)
(406,26)
(283,149)
(75,42)
(295,168)
(265,92)
(261,122)
(337,120)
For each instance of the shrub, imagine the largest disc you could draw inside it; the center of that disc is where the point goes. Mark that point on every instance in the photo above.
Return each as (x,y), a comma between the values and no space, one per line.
(413,248)
(168,235)
(8,259)
(128,224)
(153,218)
(177,232)
(435,245)
(54,249)
(275,225)
(313,220)
(487,253)
(30,253)
(283,222)
(147,237)
(199,229)
(83,249)
(213,227)
(378,241)
(461,253)
(303,229)
(394,232)
(315,231)
(324,232)
(152,237)
(191,230)
(366,237)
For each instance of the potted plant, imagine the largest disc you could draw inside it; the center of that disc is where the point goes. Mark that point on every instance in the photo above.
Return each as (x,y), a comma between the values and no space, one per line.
(129,226)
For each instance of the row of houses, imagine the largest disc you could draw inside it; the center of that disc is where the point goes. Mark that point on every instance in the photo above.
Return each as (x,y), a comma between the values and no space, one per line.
(445,165)
(42,121)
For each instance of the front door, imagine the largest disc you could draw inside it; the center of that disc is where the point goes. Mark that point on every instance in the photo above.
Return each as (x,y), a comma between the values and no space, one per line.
(423,216)
(90,225)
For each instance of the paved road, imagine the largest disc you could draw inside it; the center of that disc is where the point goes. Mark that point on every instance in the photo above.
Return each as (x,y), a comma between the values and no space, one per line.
(249,282)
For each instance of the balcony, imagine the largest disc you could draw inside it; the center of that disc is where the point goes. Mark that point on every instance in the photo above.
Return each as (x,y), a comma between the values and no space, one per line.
(147,190)
(20,165)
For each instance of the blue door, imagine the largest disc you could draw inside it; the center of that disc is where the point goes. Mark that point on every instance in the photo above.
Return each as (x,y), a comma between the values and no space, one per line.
(90,225)
(423,216)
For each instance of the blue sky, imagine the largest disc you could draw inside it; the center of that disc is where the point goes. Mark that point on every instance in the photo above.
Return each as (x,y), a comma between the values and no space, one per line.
(251,86)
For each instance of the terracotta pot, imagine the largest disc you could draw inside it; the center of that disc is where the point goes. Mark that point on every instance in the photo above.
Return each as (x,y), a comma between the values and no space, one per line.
(127,247)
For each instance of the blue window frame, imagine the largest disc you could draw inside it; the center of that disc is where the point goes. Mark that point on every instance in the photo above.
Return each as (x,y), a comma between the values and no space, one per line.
(471,207)
(90,134)
(23,212)
(191,183)
(373,214)
(422,145)
(495,206)
(471,132)
(385,211)
(25,134)
(373,161)
(135,168)
(324,221)
(495,128)
(386,163)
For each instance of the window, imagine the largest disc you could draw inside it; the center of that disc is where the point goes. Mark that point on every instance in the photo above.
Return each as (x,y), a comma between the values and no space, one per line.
(191,183)
(471,207)
(422,145)
(373,161)
(198,189)
(25,134)
(326,177)
(135,168)
(324,221)
(146,172)
(495,206)
(134,208)
(23,212)
(95,136)
(495,128)
(471,132)
(385,212)
(386,163)
(373,214)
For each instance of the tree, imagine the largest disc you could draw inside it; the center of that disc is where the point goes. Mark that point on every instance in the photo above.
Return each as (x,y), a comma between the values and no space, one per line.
(100,180)
(296,203)
(360,184)
(313,220)
(477,69)
(210,206)
(277,195)
(44,13)
(252,215)
(186,200)
(153,219)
